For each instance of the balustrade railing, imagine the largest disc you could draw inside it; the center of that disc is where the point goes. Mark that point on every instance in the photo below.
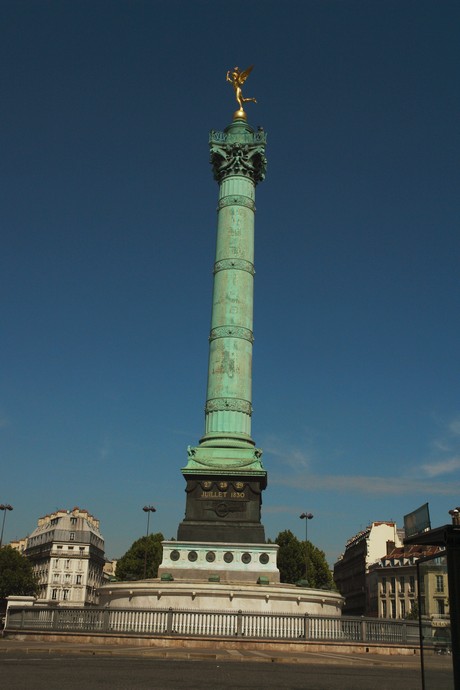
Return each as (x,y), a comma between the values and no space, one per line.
(158,622)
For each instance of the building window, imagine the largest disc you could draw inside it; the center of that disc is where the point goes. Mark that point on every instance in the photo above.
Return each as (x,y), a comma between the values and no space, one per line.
(72,536)
(412,583)
(403,609)
(67,563)
(54,594)
(401,583)
(393,585)
(78,579)
(393,608)
(73,520)
(439,583)
(384,585)
(65,594)
(384,609)
(441,607)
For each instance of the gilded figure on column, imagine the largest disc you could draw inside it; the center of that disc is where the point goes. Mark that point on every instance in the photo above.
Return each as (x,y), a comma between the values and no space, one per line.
(237,78)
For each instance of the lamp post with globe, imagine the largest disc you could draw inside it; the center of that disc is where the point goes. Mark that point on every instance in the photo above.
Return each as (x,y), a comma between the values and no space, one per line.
(148,510)
(4,507)
(306,517)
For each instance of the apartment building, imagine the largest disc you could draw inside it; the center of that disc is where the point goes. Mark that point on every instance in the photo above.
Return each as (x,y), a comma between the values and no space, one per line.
(352,568)
(67,553)
(393,587)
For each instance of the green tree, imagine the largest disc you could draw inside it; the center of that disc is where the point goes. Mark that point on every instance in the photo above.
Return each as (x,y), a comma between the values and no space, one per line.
(291,557)
(321,577)
(146,550)
(16,574)
(292,562)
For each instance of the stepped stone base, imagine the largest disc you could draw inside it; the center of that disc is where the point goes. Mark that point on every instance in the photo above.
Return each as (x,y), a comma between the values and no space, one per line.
(196,596)
(219,562)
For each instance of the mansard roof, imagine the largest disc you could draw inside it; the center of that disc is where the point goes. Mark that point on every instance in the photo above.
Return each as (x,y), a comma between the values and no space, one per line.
(400,556)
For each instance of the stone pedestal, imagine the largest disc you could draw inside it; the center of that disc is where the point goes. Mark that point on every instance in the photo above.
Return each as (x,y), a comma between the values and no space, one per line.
(219,562)
(225,508)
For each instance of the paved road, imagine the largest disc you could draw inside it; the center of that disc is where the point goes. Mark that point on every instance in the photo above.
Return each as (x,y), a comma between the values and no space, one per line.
(38,665)
(76,673)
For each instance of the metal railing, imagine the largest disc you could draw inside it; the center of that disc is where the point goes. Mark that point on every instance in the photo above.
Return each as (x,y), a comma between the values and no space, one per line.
(159,622)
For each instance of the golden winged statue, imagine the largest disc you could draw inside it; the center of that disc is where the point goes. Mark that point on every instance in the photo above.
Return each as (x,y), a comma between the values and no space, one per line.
(237,79)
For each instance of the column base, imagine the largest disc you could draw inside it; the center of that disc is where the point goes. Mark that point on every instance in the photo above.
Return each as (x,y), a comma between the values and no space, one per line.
(223,507)
(219,562)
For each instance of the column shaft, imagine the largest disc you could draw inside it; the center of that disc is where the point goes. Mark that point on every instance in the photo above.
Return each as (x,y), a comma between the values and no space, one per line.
(229,390)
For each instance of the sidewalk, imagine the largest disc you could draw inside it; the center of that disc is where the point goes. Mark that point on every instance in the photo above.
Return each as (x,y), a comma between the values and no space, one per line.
(12,647)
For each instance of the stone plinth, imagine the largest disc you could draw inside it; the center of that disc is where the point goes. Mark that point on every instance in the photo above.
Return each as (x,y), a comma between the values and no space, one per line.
(224,562)
(225,507)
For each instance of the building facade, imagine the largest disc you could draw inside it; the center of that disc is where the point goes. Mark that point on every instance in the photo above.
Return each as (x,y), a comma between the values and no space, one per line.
(19,544)
(393,586)
(352,568)
(67,553)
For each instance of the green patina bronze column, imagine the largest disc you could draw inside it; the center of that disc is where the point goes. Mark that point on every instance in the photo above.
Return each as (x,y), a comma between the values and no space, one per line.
(224,472)
(237,157)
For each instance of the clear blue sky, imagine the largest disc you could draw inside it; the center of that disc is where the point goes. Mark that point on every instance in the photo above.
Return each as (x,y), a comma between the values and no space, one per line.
(107,220)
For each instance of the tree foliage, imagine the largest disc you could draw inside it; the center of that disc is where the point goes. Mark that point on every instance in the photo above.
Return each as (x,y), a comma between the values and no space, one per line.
(16,575)
(292,562)
(144,551)
(291,557)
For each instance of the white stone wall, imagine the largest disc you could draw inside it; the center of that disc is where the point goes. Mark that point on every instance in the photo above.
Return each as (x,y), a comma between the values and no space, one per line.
(232,561)
(380,533)
(154,594)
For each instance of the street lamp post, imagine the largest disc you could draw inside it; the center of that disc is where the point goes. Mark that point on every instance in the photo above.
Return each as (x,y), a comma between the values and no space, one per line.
(148,510)
(306,517)
(4,507)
